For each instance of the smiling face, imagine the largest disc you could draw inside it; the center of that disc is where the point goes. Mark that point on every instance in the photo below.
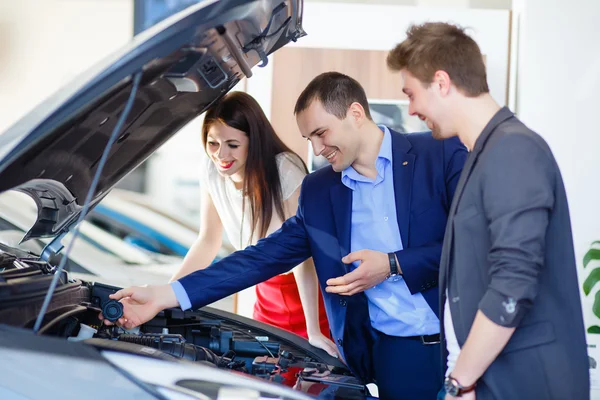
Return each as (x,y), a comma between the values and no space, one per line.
(227,147)
(428,103)
(335,139)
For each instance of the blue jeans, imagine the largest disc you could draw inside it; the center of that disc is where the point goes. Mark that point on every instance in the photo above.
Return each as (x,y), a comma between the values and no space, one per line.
(441,394)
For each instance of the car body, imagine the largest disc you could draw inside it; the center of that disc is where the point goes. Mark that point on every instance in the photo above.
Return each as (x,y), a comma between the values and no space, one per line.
(52,344)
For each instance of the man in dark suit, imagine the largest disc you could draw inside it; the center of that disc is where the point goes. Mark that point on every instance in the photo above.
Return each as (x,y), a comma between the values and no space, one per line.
(373,222)
(508,283)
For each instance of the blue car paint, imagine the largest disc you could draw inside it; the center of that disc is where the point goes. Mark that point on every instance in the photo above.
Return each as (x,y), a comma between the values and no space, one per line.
(143,230)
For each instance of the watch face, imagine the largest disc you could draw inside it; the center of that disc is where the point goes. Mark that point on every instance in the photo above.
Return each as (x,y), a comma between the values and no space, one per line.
(450,387)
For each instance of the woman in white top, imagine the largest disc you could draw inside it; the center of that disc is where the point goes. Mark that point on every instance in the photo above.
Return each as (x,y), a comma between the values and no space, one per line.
(250,184)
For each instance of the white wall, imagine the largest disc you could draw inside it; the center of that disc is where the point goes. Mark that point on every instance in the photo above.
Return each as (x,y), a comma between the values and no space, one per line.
(558,89)
(45,43)
(558,84)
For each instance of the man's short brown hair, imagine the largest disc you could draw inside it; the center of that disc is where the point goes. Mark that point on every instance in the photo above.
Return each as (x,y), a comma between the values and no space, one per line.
(336,92)
(435,46)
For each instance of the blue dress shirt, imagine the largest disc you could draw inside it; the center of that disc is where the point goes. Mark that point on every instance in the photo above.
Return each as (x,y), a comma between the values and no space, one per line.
(393,309)
(182,296)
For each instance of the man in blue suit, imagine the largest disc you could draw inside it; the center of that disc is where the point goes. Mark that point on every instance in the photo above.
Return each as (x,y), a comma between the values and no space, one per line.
(374,224)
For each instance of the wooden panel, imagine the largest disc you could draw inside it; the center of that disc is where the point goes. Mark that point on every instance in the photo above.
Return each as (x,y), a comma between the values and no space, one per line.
(294,68)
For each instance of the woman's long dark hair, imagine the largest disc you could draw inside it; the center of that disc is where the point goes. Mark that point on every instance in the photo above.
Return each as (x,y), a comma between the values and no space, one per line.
(262,184)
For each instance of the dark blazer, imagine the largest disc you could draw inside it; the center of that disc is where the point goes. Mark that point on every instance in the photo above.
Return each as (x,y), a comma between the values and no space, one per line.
(508,252)
(426,173)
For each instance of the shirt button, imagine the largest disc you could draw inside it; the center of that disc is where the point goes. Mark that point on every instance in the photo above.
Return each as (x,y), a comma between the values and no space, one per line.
(385,218)
(340,342)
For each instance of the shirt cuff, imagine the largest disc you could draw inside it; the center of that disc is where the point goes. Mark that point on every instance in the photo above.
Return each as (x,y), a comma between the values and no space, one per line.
(504,311)
(182,296)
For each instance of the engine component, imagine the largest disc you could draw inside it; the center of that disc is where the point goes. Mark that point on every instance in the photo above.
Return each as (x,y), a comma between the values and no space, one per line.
(112,310)
(264,365)
(254,347)
(174,345)
(85,332)
(156,340)
(221,339)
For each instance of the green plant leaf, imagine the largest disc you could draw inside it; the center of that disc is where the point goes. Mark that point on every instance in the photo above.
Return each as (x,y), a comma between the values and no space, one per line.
(592,254)
(596,306)
(591,280)
(593,329)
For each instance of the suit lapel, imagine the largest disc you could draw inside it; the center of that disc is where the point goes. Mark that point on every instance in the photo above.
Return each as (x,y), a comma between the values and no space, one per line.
(448,236)
(341,202)
(403,165)
(498,118)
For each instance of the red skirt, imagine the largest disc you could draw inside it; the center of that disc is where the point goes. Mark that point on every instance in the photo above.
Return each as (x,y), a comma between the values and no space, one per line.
(278,303)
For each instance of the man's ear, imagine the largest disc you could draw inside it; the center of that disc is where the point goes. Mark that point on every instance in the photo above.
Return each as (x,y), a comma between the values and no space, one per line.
(442,82)
(357,113)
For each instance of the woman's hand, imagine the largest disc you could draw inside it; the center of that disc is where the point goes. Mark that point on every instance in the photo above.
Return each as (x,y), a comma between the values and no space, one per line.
(322,342)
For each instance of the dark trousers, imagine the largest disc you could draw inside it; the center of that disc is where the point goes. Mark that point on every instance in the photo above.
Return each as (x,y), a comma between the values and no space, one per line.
(406,368)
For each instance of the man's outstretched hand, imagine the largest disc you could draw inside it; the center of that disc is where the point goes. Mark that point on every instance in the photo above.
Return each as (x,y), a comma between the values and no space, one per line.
(141,304)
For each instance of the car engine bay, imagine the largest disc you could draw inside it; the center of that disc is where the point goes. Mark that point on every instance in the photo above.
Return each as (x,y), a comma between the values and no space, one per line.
(208,336)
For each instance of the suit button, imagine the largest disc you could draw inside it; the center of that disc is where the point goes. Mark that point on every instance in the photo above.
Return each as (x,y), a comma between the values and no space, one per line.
(343,303)
(340,342)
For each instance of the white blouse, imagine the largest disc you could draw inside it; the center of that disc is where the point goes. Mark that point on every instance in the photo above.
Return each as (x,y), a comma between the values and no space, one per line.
(228,200)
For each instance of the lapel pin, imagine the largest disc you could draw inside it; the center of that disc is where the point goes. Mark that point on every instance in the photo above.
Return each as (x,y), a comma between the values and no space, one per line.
(405,163)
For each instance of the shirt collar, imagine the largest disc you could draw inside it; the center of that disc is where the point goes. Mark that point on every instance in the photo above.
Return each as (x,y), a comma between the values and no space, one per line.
(350,177)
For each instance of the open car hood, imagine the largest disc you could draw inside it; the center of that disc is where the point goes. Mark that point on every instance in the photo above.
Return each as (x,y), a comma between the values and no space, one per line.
(189,61)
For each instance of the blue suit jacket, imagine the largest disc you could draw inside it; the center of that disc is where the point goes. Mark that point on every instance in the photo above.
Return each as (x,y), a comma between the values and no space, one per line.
(426,172)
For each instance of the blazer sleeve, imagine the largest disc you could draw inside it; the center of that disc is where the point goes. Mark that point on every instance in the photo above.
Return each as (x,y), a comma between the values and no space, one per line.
(518,196)
(273,255)
(420,265)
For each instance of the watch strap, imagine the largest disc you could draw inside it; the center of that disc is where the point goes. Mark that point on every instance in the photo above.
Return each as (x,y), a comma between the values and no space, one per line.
(462,389)
(393,265)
